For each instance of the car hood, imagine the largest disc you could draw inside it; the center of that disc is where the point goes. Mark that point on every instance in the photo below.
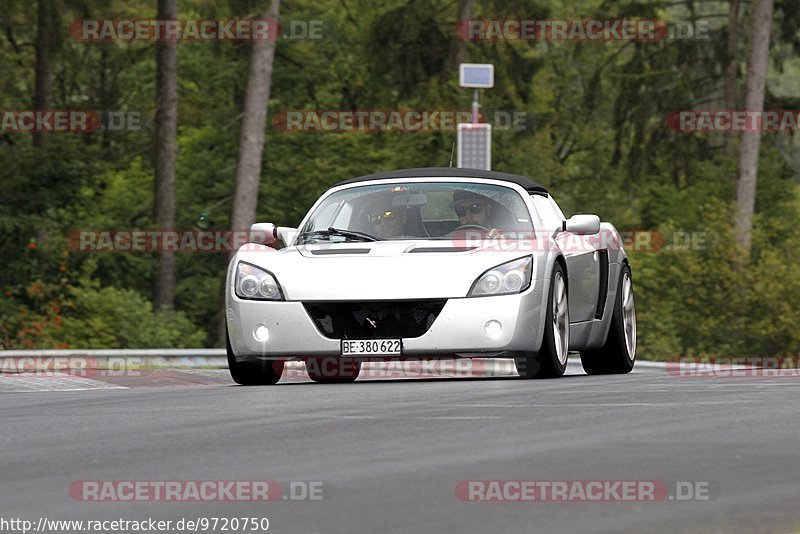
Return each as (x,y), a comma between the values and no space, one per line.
(381,270)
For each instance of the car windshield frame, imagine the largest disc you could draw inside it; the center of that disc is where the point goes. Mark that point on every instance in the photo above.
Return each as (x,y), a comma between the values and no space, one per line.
(419,210)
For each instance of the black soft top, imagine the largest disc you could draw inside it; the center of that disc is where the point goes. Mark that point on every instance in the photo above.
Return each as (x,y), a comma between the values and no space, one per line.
(448,172)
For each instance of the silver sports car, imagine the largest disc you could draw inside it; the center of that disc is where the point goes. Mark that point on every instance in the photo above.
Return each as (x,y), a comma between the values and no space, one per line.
(425,264)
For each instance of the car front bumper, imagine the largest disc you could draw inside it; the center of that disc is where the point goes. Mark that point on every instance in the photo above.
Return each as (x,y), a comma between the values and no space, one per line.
(459,329)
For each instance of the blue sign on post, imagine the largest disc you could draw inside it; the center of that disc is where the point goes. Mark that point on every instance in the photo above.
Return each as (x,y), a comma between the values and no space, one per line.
(476,75)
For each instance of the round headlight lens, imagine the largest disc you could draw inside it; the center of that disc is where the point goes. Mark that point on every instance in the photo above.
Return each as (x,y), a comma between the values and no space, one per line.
(490,283)
(249,286)
(513,281)
(269,288)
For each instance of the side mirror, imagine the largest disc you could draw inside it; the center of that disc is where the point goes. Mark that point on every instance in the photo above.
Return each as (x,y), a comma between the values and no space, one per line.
(264,234)
(287,235)
(582,224)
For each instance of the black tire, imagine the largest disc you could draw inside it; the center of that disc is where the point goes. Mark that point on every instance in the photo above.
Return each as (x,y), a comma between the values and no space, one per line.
(613,356)
(332,369)
(257,373)
(545,363)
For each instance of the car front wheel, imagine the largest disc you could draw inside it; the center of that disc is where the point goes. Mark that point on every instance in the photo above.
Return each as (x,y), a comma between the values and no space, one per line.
(617,355)
(551,360)
(257,373)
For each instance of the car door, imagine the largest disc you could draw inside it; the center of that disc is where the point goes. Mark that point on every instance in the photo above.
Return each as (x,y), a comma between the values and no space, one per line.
(583,261)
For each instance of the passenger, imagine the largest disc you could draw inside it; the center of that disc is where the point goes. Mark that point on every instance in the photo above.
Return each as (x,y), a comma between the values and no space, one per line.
(386,221)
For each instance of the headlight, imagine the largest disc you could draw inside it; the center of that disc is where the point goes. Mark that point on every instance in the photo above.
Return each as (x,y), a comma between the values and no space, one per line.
(255,283)
(505,279)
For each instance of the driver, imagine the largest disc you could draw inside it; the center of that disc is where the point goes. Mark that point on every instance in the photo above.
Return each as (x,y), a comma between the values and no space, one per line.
(386,221)
(472,209)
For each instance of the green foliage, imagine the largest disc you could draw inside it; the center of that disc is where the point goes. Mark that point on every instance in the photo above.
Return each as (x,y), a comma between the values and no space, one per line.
(110,317)
(699,303)
(72,311)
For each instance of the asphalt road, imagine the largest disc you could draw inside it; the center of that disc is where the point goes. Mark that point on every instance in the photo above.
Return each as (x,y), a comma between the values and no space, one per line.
(391,452)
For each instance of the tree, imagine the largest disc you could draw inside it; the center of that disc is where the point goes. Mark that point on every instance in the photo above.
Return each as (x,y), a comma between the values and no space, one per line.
(43,92)
(732,67)
(751,141)
(464,14)
(166,150)
(251,137)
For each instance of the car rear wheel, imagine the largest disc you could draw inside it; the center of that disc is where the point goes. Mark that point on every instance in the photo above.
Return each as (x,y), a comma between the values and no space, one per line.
(618,353)
(257,373)
(332,369)
(551,360)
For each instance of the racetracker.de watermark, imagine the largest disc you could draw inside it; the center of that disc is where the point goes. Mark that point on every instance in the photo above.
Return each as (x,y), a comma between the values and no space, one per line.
(132,240)
(580,30)
(734,120)
(584,490)
(397,368)
(260,29)
(393,120)
(69,120)
(85,366)
(605,239)
(199,490)
(51,366)
(735,367)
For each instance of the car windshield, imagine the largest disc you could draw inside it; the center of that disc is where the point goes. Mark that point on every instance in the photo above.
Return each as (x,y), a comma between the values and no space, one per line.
(429,210)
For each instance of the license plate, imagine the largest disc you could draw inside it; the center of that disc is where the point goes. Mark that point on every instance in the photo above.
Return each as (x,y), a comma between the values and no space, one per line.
(371,347)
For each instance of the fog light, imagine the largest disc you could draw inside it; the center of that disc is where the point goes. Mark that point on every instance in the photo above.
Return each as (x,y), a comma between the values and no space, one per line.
(261,333)
(493,329)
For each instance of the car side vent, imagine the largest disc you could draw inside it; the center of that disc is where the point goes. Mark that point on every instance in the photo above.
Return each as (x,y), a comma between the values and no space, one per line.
(603,289)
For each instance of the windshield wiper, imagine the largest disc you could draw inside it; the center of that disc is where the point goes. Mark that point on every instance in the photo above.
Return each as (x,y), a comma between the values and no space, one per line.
(351,234)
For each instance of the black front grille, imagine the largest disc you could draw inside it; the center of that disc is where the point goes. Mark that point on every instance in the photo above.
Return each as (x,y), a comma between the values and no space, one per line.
(374,320)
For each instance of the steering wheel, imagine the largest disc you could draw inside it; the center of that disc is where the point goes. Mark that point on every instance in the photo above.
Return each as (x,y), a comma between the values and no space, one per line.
(470,227)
